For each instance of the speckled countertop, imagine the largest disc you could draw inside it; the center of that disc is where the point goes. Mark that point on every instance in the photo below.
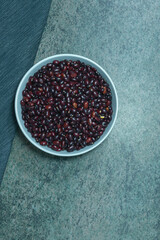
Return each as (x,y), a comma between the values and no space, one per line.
(112,192)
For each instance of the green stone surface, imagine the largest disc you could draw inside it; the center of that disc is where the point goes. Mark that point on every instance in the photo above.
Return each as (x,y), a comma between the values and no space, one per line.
(112,192)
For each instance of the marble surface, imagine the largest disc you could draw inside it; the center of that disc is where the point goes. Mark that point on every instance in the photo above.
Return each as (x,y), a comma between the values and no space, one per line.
(112,192)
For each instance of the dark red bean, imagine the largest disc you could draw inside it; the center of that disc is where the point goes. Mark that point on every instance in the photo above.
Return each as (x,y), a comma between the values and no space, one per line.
(95,93)
(43,143)
(23,92)
(73,74)
(53,134)
(68,99)
(100,133)
(95,83)
(76,134)
(34,135)
(48,134)
(25,99)
(58,88)
(86,104)
(55,62)
(108,103)
(93,114)
(56,148)
(56,143)
(97,118)
(71,148)
(87,82)
(88,140)
(41,80)
(70,137)
(63,144)
(22,103)
(74,104)
(48,107)
(43,135)
(89,121)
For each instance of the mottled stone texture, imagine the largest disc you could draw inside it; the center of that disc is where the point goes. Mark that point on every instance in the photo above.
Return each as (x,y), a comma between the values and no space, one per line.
(113,192)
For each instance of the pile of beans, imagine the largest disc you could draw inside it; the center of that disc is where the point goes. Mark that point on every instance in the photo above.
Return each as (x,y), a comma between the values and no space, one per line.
(66,105)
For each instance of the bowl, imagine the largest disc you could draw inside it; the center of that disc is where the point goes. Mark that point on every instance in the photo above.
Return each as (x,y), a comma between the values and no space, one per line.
(34,69)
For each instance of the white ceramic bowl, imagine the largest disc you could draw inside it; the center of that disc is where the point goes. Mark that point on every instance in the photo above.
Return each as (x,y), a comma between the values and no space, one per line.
(34,69)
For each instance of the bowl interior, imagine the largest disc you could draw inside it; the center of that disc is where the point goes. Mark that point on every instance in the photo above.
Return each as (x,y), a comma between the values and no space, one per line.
(34,69)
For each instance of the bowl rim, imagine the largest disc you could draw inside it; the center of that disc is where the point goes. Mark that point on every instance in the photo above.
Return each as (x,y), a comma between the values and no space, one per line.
(56,153)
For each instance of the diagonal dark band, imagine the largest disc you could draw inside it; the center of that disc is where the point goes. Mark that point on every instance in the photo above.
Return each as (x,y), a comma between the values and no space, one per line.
(22,24)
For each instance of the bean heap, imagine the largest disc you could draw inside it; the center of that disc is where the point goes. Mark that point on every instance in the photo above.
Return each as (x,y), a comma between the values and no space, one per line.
(66,105)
